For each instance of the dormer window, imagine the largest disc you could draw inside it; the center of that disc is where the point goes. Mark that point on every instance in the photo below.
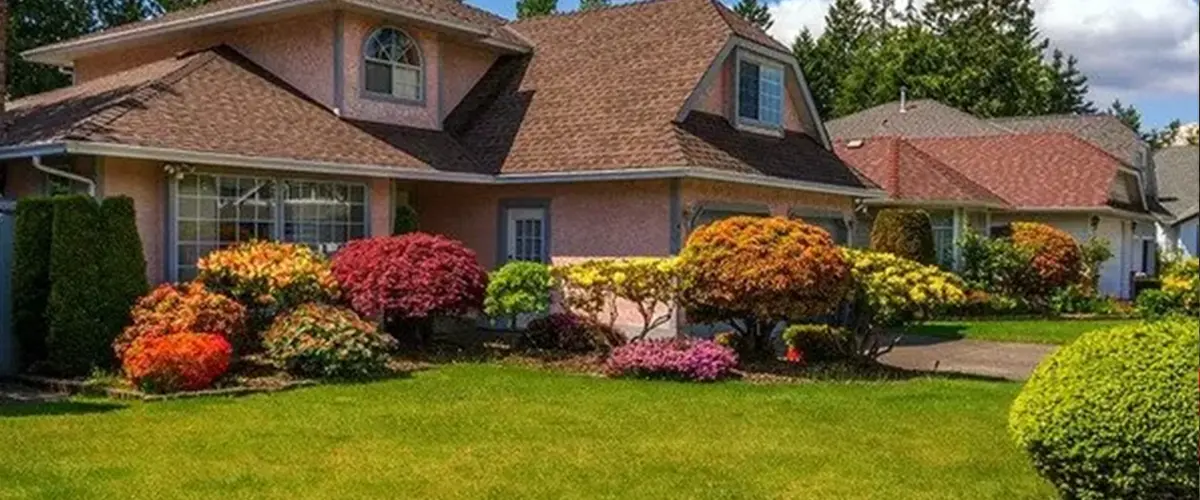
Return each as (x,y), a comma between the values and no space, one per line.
(760,92)
(392,65)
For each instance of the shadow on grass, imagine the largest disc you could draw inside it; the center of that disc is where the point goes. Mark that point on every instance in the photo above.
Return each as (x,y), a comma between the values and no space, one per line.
(933,334)
(57,408)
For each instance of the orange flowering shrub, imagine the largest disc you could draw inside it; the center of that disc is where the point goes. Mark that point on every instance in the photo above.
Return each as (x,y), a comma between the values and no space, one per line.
(268,274)
(177,362)
(1056,259)
(188,307)
(758,271)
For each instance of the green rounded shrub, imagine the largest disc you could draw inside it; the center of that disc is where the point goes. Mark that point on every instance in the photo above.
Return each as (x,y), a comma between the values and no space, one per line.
(31,276)
(1114,415)
(905,233)
(320,340)
(404,221)
(518,287)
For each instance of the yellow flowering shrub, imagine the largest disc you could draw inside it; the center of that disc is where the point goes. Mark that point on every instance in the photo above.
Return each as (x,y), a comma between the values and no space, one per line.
(1181,285)
(263,274)
(592,288)
(888,291)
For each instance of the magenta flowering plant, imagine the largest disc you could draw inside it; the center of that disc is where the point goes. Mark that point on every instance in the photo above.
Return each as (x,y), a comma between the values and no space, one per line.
(681,359)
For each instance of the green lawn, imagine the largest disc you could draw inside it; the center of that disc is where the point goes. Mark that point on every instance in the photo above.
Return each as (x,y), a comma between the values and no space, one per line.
(492,431)
(1041,331)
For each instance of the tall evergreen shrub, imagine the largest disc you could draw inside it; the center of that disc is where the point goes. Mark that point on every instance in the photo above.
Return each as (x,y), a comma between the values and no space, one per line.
(77,339)
(904,233)
(31,276)
(123,265)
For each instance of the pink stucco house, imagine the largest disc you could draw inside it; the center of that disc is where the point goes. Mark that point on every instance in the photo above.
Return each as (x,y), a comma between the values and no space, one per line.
(596,134)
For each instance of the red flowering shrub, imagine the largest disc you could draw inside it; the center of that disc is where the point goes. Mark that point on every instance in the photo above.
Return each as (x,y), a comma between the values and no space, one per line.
(188,307)
(680,359)
(758,271)
(177,362)
(414,276)
(1056,259)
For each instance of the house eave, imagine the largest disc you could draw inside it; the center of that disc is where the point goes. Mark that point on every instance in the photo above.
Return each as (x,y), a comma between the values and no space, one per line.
(391,172)
(1109,211)
(892,202)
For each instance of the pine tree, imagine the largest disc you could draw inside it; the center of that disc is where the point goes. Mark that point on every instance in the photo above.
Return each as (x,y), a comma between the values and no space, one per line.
(1068,87)
(33,23)
(593,4)
(815,69)
(110,13)
(755,12)
(1129,115)
(533,8)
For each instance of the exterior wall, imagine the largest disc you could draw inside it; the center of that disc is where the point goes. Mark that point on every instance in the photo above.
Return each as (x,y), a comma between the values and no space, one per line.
(587,220)
(22,180)
(1187,236)
(361,106)
(145,182)
(299,50)
(380,198)
(719,96)
(461,69)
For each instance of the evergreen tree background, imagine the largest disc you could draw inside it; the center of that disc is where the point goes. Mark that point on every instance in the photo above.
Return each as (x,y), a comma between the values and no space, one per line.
(592,4)
(756,12)
(533,8)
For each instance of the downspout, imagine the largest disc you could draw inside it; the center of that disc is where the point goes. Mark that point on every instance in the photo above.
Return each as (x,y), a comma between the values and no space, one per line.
(91,185)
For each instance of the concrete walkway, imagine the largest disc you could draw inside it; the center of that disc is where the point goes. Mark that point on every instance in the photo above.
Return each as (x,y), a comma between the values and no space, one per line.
(1005,360)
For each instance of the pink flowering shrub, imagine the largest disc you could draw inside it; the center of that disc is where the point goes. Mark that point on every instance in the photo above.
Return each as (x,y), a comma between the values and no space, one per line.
(683,359)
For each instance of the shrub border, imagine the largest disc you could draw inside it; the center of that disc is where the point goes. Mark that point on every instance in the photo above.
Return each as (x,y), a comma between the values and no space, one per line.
(76,387)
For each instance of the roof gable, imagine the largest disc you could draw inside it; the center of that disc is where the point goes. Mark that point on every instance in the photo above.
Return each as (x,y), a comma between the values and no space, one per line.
(1178,173)
(909,174)
(1102,130)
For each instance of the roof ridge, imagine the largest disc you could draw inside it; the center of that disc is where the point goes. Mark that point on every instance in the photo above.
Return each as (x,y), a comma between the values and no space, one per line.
(143,94)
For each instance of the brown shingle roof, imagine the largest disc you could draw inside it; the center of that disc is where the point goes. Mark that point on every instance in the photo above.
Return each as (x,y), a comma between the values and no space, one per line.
(709,141)
(220,102)
(1178,172)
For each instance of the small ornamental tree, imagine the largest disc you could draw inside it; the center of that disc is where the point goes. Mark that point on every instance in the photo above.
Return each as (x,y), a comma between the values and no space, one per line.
(411,278)
(588,289)
(651,285)
(1055,257)
(517,288)
(905,233)
(754,272)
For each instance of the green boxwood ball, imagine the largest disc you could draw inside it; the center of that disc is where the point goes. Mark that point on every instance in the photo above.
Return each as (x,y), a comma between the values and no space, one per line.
(1114,414)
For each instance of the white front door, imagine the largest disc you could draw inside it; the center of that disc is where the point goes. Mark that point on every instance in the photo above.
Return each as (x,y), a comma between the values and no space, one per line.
(526,234)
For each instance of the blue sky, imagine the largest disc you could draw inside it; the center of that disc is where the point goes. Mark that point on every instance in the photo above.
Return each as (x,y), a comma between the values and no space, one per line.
(1145,52)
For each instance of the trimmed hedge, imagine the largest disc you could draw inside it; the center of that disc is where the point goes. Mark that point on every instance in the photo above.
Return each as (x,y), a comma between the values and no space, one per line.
(77,339)
(905,233)
(31,276)
(1113,415)
(124,264)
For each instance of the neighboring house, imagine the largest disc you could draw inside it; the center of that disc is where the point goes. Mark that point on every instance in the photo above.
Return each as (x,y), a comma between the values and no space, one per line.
(1087,175)
(1178,170)
(598,134)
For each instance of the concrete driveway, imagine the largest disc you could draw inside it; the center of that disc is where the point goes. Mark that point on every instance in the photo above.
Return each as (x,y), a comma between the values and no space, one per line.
(1005,360)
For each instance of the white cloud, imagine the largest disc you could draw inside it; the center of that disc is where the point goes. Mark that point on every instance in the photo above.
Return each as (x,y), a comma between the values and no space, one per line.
(1127,48)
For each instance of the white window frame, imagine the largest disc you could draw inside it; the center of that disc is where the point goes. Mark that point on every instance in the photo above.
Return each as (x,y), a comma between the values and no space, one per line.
(277,218)
(419,68)
(757,124)
(505,231)
(949,230)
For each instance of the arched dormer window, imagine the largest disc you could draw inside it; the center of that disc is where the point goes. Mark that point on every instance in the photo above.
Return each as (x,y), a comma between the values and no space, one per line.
(392,65)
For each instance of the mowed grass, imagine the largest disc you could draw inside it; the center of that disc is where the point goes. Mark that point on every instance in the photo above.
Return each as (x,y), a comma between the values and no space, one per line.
(493,431)
(1039,331)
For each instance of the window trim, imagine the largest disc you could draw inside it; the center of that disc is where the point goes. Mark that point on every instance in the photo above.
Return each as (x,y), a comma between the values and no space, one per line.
(171,219)
(507,204)
(366,93)
(752,124)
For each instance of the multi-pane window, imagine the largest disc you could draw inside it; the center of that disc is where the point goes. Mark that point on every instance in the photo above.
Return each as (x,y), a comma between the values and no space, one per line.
(943,238)
(324,215)
(214,211)
(392,64)
(527,234)
(760,93)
